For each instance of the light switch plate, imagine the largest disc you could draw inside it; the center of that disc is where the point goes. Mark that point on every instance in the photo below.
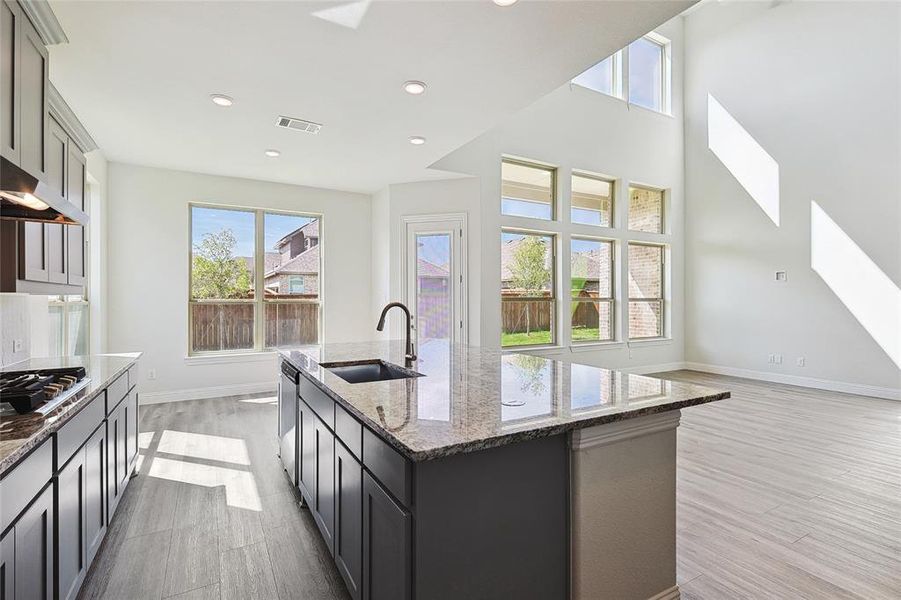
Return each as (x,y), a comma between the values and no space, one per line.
(17,345)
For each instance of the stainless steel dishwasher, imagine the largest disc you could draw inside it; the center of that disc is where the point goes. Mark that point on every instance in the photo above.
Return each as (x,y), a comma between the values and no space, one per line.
(287,419)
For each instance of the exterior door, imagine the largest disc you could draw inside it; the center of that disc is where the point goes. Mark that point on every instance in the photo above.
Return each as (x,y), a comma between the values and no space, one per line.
(435,278)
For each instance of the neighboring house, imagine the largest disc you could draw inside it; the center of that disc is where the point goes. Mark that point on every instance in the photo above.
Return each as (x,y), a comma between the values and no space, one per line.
(294,267)
(585,266)
(433,318)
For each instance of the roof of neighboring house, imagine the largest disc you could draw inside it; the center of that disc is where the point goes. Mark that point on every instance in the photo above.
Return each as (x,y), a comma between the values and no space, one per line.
(305,263)
(310,230)
(271,261)
(425,268)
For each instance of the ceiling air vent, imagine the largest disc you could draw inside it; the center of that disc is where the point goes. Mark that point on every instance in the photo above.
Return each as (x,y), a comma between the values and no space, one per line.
(298,124)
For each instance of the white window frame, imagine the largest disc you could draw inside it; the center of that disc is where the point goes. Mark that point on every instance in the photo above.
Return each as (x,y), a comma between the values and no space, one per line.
(664,252)
(554,298)
(64,302)
(259,301)
(614,290)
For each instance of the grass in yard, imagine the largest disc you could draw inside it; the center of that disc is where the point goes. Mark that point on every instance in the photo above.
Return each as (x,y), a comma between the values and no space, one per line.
(534,338)
(586,334)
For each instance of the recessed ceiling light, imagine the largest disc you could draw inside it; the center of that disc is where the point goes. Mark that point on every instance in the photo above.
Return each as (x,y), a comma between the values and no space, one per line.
(272,153)
(505,2)
(417,140)
(414,87)
(221,99)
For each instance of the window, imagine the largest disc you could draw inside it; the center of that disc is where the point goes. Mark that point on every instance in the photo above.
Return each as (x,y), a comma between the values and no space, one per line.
(68,326)
(645,290)
(591,274)
(527,190)
(592,200)
(243,289)
(527,289)
(647,74)
(645,209)
(604,77)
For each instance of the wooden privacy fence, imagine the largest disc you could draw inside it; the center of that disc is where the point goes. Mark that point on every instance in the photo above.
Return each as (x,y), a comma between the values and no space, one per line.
(229,325)
(519,316)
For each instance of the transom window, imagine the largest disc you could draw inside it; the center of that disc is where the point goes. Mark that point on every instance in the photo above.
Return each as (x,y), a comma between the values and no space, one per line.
(527,190)
(254,279)
(592,200)
(645,209)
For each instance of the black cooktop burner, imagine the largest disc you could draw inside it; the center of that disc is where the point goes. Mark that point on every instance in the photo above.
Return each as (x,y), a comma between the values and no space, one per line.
(27,390)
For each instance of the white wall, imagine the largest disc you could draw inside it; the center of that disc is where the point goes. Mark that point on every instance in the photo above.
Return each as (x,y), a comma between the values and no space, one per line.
(148,271)
(97,292)
(397,201)
(575,128)
(818,86)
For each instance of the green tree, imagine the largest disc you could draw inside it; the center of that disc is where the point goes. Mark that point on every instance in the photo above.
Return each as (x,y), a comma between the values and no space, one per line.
(529,270)
(216,273)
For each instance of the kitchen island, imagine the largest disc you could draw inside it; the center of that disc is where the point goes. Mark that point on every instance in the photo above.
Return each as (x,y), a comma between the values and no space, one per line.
(481,474)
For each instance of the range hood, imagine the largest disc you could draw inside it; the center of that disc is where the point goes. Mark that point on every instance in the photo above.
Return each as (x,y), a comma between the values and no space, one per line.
(23,197)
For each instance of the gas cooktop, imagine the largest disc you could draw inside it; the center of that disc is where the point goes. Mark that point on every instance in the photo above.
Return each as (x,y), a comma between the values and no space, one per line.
(40,390)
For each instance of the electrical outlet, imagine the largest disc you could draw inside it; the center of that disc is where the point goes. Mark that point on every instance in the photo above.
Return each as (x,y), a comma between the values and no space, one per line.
(801,361)
(151,373)
(17,345)
(781,276)
(771,359)
(778,359)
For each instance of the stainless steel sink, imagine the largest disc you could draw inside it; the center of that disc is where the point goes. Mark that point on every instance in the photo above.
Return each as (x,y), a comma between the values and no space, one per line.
(363,371)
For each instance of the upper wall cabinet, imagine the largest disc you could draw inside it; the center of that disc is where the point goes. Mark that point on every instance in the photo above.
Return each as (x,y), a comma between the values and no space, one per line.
(24,84)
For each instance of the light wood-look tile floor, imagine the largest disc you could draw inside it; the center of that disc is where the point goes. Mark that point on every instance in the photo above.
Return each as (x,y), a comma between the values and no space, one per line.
(784,493)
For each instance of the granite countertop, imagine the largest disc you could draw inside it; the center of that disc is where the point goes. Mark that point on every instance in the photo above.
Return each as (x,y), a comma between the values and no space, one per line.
(20,433)
(472,398)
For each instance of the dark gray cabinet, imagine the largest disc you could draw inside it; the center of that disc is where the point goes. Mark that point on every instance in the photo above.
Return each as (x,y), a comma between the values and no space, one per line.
(10,29)
(33,110)
(386,545)
(349,519)
(95,492)
(116,432)
(323,505)
(34,262)
(71,557)
(75,241)
(33,550)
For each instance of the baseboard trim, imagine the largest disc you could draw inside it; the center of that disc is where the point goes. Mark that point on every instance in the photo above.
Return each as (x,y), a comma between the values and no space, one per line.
(207,392)
(672,593)
(859,389)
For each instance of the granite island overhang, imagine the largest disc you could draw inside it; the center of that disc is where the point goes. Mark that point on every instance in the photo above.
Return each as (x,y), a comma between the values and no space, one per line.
(498,474)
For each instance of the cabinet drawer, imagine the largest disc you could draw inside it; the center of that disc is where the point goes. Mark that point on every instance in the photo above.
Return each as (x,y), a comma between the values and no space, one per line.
(24,482)
(321,404)
(76,432)
(349,431)
(391,469)
(116,391)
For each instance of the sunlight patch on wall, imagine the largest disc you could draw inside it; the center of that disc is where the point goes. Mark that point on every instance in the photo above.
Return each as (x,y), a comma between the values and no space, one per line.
(864,289)
(346,15)
(240,486)
(749,163)
(203,446)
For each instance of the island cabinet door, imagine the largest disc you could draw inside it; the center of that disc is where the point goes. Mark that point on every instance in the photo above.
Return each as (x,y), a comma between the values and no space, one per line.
(306,470)
(34,550)
(131,432)
(323,506)
(349,519)
(95,492)
(70,511)
(115,459)
(387,573)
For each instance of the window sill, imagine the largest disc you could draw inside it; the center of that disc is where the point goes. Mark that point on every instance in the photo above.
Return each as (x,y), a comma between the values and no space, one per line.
(225,358)
(592,346)
(661,341)
(516,349)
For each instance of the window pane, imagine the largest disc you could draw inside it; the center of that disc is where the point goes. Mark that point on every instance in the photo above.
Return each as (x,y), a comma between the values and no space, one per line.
(222,255)
(591,269)
(527,191)
(599,77)
(291,324)
(592,201)
(292,260)
(434,304)
(645,291)
(56,345)
(592,321)
(646,74)
(219,326)
(78,328)
(645,210)
(527,322)
(527,289)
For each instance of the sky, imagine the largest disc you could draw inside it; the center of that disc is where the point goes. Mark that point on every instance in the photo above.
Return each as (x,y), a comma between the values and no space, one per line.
(435,248)
(211,220)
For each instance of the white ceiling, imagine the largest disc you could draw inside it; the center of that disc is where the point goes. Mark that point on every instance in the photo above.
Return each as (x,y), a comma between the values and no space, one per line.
(139,76)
